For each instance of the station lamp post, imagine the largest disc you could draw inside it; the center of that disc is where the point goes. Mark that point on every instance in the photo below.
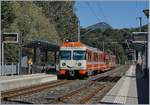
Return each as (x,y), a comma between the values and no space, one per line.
(146,12)
(78,30)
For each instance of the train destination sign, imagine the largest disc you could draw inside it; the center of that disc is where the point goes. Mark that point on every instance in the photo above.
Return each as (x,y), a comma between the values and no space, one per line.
(10,37)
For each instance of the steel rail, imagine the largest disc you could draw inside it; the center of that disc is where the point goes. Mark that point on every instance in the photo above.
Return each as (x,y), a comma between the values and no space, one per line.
(32,89)
(103,76)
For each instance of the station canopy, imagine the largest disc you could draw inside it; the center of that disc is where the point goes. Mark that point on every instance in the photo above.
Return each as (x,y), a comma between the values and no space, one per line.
(44,45)
(139,40)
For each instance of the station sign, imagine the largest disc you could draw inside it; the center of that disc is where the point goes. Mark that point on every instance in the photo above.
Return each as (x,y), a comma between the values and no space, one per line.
(140,36)
(10,37)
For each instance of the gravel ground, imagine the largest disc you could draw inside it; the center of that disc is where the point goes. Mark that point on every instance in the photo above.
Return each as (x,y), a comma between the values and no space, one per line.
(77,98)
(96,99)
(41,97)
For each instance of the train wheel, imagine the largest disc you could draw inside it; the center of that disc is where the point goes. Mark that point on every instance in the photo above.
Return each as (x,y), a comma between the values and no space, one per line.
(83,77)
(95,72)
(60,77)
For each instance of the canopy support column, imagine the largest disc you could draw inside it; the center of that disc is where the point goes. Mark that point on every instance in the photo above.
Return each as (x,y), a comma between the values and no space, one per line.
(34,55)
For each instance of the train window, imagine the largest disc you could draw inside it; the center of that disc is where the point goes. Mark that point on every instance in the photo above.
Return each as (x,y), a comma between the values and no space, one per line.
(100,57)
(65,55)
(95,57)
(88,56)
(79,55)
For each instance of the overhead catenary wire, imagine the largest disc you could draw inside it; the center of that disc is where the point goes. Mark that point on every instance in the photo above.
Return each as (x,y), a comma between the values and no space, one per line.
(89,31)
(93,12)
(94,15)
(103,14)
(136,11)
(96,18)
(138,15)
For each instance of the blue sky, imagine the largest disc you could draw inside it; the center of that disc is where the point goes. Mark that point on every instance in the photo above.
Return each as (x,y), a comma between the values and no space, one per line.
(119,14)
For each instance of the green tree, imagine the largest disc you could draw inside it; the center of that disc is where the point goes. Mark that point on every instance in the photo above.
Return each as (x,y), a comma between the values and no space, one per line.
(30,22)
(113,40)
(62,15)
(7,13)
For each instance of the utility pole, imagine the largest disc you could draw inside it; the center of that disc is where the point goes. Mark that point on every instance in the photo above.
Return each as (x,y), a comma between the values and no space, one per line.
(103,44)
(146,12)
(78,30)
(148,51)
(140,20)
(2,61)
(20,52)
(0,47)
(0,54)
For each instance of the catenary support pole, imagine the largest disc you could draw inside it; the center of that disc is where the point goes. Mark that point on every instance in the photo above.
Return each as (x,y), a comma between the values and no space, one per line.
(20,53)
(78,30)
(148,48)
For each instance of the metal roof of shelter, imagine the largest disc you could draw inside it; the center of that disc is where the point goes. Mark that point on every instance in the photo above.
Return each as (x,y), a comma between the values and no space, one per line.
(43,45)
(140,36)
(139,40)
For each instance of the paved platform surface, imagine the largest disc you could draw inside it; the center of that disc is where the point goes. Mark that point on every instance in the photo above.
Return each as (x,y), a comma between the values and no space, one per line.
(132,88)
(13,82)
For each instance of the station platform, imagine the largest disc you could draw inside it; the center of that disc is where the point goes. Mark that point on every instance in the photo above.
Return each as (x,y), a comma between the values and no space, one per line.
(132,88)
(17,81)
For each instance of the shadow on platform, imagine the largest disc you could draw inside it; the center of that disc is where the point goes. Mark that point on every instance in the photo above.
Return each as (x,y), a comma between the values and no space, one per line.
(142,80)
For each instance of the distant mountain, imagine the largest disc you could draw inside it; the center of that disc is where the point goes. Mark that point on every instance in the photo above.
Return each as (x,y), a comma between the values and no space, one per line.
(102,25)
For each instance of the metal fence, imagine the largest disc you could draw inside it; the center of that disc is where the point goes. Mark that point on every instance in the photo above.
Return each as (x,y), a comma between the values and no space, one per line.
(9,69)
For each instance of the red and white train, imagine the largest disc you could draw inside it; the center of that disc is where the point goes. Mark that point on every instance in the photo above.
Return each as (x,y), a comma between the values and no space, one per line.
(80,60)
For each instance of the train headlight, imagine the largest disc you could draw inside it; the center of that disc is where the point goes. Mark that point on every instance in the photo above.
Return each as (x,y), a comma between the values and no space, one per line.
(63,64)
(79,64)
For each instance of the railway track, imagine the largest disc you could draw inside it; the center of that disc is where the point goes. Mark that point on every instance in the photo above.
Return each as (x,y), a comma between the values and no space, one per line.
(81,94)
(86,93)
(72,94)
(86,99)
(109,77)
(32,89)
(108,73)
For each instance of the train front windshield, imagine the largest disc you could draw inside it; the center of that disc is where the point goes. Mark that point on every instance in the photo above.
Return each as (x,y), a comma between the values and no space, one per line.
(79,55)
(65,55)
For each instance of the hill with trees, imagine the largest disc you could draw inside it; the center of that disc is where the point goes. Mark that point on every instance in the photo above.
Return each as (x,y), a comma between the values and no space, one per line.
(112,40)
(50,21)
(101,25)
(56,21)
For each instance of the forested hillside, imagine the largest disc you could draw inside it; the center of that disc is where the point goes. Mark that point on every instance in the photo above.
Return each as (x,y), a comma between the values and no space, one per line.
(42,20)
(113,39)
(56,21)
(101,25)
(62,16)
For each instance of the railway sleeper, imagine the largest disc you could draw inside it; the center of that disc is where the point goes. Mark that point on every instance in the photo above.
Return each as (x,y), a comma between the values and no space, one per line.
(17,101)
(59,97)
(88,97)
(30,90)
